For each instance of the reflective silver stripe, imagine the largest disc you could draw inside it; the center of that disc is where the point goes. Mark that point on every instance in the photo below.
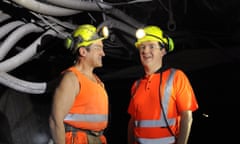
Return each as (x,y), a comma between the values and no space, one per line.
(86,117)
(165,99)
(165,140)
(154,123)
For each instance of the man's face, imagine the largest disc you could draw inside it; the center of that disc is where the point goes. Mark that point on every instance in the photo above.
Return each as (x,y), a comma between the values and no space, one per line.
(151,53)
(95,54)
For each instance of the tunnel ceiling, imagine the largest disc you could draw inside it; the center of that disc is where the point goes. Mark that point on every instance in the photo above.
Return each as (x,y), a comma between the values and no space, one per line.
(205,33)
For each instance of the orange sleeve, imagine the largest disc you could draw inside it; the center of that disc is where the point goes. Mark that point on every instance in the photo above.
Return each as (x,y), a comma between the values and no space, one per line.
(185,97)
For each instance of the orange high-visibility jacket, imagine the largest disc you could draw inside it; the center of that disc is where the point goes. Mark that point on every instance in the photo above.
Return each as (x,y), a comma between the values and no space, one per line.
(177,95)
(90,109)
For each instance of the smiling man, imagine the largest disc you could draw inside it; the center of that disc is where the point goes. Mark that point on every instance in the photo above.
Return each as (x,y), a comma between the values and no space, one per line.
(162,99)
(80,102)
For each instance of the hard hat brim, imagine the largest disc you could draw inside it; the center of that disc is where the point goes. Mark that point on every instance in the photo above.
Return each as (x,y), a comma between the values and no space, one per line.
(147,38)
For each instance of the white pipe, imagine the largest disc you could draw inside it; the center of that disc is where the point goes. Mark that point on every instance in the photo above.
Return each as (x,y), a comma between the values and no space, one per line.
(4,30)
(65,24)
(119,14)
(15,36)
(45,8)
(21,85)
(25,55)
(80,4)
(96,6)
(4,16)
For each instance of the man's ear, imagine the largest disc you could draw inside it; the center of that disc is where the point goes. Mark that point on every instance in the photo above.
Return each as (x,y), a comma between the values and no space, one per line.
(82,51)
(163,51)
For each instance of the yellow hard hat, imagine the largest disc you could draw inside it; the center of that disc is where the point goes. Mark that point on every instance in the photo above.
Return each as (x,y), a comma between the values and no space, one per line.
(154,33)
(85,35)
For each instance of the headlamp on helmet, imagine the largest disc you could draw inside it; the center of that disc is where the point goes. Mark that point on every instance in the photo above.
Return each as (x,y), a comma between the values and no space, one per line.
(104,32)
(140,33)
(154,33)
(85,35)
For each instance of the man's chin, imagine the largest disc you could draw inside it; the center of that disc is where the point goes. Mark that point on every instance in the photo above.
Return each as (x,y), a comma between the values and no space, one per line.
(98,66)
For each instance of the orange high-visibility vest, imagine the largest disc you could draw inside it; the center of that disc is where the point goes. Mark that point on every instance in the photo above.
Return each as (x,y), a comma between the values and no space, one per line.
(150,126)
(90,109)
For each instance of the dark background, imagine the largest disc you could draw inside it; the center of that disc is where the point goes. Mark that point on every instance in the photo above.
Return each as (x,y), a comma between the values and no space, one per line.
(207,49)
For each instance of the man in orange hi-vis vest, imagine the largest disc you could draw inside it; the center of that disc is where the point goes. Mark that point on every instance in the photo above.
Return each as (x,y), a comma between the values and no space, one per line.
(162,100)
(80,103)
